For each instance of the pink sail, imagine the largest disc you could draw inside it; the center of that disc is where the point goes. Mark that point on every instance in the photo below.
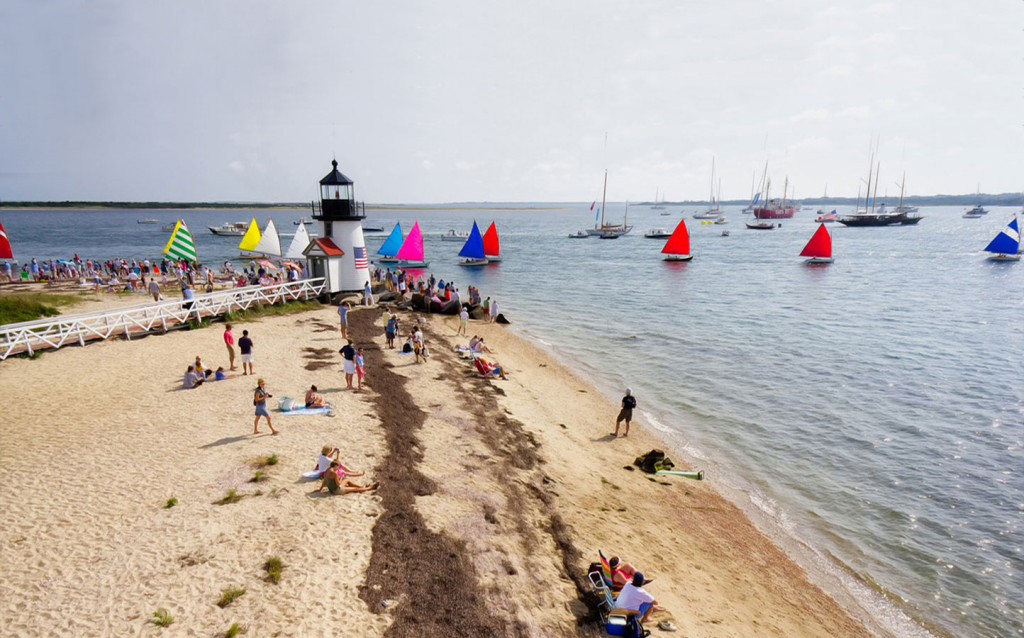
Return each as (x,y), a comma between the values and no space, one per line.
(412,247)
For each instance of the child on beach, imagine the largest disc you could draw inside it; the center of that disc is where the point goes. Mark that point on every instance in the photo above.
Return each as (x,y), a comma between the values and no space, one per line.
(360,371)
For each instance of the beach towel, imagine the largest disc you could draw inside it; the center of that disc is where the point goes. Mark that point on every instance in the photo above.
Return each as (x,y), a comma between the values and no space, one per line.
(304,410)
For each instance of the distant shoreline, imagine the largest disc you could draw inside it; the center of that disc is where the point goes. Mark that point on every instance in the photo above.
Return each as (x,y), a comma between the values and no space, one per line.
(1001,199)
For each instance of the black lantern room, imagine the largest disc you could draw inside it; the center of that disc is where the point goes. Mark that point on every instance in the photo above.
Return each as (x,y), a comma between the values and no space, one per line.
(337,198)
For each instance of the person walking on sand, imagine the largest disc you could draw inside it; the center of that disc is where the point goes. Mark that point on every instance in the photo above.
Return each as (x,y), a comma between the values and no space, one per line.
(367,295)
(349,353)
(463,322)
(259,400)
(343,314)
(245,347)
(229,341)
(626,413)
(492,311)
(390,329)
(154,289)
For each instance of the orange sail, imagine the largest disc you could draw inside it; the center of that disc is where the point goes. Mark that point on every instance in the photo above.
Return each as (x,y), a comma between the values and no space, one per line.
(491,247)
(820,244)
(679,242)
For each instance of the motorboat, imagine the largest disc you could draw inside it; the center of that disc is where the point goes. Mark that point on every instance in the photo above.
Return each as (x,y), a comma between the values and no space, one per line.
(454,235)
(579,234)
(236,229)
(657,233)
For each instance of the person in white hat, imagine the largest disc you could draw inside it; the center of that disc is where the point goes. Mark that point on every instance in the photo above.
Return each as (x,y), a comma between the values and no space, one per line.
(626,413)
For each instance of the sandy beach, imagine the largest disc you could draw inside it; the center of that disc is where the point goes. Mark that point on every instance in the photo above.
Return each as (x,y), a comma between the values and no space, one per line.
(495,497)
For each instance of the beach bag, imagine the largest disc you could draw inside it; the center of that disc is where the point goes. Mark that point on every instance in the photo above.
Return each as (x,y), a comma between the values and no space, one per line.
(653,461)
(635,628)
(286,404)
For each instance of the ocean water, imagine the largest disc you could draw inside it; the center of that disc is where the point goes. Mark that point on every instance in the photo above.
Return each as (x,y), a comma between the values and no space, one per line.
(866,414)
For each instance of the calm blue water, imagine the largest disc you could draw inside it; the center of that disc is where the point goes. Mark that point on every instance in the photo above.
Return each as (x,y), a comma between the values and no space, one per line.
(867,414)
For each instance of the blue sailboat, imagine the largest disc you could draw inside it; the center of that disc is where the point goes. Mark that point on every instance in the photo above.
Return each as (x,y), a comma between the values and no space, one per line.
(390,247)
(473,249)
(1006,244)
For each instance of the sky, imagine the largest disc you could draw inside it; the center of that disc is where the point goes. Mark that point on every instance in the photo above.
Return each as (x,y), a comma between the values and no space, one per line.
(485,101)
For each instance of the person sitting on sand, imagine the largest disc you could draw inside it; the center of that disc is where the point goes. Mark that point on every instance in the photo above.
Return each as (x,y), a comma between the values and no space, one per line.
(633,596)
(314,399)
(488,369)
(336,481)
(201,369)
(192,378)
(408,347)
(220,375)
(329,454)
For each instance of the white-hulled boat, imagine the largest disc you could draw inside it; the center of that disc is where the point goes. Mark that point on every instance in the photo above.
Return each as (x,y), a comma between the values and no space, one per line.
(236,229)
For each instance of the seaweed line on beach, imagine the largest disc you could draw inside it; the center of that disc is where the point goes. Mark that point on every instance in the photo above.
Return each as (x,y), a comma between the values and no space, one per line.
(509,441)
(429,574)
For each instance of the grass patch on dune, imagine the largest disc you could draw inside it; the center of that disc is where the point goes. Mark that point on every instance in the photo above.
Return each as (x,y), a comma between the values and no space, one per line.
(234,630)
(274,566)
(230,595)
(171,502)
(29,306)
(231,497)
(162,618)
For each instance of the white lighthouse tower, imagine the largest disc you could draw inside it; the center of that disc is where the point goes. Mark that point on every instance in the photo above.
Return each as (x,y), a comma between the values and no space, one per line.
(339,253)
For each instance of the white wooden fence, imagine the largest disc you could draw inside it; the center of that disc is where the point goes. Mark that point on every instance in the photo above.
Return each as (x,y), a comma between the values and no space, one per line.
(156,317)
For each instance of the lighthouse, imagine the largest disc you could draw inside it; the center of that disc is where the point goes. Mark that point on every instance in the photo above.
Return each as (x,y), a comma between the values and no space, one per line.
(339,253)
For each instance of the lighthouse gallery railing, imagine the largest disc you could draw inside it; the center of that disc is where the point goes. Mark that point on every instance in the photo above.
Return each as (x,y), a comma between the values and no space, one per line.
(156,317)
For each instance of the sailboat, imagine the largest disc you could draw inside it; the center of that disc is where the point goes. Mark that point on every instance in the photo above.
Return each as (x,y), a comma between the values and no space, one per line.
(299,243)
(411,252)
(492,249)
(658,205)
(874,215)
(267,244)
(5,245)
(677,248)
(819,247)
(713,211)
(473,249)
(1006,244)
(609,231)
(391,245)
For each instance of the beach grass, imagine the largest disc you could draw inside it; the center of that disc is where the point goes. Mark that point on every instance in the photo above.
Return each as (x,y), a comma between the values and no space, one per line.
(30,306)
(234,630)
(171,502)
(231,497)
(230,595)
(274,566)
(162,618)
(258,477)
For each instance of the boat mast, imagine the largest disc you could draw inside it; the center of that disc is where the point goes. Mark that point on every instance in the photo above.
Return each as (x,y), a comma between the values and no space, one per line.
(604,191)
(874,196)
(904,181)
(867,193)
(711,195)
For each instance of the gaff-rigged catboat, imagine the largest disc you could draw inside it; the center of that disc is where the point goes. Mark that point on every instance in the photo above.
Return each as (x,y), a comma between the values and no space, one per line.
(819,247)
(1006,244)
(492,249)
(391,246)
(410,255)
(677,248)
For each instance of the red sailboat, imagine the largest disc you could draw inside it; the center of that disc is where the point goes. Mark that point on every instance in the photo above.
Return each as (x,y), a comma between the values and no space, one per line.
(677,248)
(5,245)
(492,249)
(819,247)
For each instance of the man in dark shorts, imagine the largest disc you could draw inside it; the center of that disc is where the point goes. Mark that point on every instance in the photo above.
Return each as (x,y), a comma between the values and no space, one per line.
(626,413)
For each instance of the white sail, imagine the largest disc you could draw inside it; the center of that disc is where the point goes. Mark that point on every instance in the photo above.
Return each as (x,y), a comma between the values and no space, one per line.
(270,241)
(299,243)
